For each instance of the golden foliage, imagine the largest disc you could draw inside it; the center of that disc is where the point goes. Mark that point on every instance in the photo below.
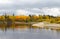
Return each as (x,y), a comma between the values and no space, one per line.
(22,17)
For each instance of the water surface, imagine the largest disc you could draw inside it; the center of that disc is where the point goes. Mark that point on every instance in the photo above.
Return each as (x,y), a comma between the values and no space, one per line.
(25,32)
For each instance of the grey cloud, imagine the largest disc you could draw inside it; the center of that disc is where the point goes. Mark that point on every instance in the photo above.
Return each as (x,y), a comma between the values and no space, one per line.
(40,4)
(16,5)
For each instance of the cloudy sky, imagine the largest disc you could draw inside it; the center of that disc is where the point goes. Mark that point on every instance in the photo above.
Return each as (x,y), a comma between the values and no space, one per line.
(26,7)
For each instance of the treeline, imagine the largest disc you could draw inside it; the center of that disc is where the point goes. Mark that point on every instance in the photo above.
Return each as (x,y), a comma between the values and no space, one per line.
(31,18)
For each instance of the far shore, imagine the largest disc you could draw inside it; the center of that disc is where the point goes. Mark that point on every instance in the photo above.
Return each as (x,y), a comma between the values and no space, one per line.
(46,25)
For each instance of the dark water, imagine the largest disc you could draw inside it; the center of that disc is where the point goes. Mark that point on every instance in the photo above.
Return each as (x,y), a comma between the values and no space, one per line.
(29,33)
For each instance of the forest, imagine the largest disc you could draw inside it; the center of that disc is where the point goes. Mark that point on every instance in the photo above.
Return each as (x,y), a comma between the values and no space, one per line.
(30,18)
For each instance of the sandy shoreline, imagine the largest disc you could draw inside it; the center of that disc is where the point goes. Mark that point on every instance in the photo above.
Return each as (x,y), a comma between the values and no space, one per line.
(47,25)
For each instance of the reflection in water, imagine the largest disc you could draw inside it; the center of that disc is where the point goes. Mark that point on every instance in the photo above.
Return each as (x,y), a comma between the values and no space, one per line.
(27,32)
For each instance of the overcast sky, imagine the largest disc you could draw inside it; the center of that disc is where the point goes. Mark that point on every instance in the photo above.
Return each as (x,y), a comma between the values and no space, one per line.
(26,7)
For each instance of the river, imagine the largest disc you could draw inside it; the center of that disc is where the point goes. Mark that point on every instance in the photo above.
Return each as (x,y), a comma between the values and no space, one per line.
(29,33)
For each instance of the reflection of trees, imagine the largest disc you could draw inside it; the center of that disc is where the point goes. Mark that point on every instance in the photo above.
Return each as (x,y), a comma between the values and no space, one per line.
(6,23)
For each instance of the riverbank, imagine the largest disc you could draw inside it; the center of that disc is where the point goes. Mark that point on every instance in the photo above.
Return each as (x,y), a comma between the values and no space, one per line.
(45,25)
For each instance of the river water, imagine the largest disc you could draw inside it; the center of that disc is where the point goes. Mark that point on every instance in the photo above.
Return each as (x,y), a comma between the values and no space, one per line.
(29,33)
